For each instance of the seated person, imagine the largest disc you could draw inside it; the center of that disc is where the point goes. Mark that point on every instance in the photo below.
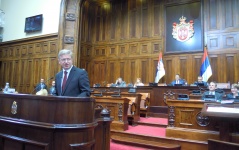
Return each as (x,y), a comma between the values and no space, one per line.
(41,85)
(120,83)
(178,80)
(200,81)
(52,89)
(138,83)
(234,92)
(212,91)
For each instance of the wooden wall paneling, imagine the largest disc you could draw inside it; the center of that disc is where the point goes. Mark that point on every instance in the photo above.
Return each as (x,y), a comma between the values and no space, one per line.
(123,70)
(36,70)
(1,52)
(30,49)
(124,20)
(28,76)
(99,72)
(214,66)
(169,73)
(53,68)
(11,51)
(123,50)
(197,62)
(133,49)
(53,47)
(5,52)
(24,50)
(17,51)
(112,72)
(38,48)
(145,19)
(230,68)
(213,42)
(183,67)
(45,47)
(144,71)
(10,73)
(213,15)
(132,71)
(229,40)
(23,73)
(156,18)
(44,69)
(4,76)
(222,67)
(16,74)
(133,18)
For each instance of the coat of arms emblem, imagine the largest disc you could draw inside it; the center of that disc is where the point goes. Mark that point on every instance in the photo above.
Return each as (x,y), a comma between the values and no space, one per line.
(184,30)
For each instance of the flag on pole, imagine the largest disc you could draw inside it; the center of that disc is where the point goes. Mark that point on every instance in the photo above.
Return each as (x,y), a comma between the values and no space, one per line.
(206,70)
(160,72)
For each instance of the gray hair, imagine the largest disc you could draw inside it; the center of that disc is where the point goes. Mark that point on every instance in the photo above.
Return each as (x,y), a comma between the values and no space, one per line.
(65,51)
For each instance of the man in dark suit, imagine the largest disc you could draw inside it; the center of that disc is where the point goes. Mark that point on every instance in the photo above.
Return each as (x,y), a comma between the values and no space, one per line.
(212,91)
(71,81)
(178,80)
(200,81)
(41,85)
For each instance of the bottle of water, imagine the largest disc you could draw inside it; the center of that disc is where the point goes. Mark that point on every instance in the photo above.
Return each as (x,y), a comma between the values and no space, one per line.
(6,88)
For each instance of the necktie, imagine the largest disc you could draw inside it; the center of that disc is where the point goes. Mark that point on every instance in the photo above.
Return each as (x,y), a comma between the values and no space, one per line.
(64,80)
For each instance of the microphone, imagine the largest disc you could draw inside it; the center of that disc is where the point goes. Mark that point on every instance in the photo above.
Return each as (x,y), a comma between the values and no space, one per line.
(45,83)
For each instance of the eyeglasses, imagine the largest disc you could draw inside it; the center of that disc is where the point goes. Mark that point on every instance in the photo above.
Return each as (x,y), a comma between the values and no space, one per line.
(66,60)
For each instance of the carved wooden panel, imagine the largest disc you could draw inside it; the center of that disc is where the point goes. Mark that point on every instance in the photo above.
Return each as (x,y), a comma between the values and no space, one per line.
(17,51)
(230,41)
(30,49)
(28,79)
(37,67)
(11,51)
(99,72)
(38,48)
(24,50)
(45,47)
(16,73)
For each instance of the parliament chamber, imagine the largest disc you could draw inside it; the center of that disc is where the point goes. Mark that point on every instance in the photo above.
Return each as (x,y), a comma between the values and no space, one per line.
(122,38)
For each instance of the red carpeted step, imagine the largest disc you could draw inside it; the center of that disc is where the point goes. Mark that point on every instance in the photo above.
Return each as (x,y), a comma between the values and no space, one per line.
(147,130)
(118,146)
(153,121)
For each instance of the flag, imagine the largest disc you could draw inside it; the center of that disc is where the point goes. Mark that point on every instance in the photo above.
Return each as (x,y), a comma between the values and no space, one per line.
(160,72)
(206,70)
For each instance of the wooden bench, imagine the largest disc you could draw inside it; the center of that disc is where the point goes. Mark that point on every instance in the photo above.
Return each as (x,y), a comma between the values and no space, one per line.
(133,111)
(118,108)
(144,104)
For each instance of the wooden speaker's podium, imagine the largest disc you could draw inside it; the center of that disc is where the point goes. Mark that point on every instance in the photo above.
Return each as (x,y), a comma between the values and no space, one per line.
(30,122)
(226,114)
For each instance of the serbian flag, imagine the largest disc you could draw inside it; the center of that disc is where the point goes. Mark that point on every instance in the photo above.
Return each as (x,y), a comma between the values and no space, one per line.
(206,70)
(160,72)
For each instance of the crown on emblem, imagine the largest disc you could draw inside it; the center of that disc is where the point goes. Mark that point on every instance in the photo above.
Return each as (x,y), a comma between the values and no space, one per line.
(182,19)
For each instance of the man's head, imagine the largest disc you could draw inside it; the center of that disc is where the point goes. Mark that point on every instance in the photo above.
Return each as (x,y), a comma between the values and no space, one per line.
(53,83)
(138,80)
(212,86)
(119,80)
(200,79)
(65,59)
(42,80)
(234,88)
(177,77)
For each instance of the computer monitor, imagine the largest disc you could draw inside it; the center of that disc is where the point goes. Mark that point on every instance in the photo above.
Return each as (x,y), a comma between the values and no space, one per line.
(178,84)
(200,84)
(153,84)
(209,98)
(183,97)
(196,92)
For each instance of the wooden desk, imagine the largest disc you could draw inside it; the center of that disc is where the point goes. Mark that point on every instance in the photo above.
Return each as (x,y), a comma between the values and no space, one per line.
(118,110)
(47,122)
(226,114)
(134,104)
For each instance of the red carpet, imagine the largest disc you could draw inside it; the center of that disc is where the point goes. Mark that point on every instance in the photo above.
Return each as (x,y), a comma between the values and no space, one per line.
(142,129)
(147,130)
(116,146)
(163,121)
